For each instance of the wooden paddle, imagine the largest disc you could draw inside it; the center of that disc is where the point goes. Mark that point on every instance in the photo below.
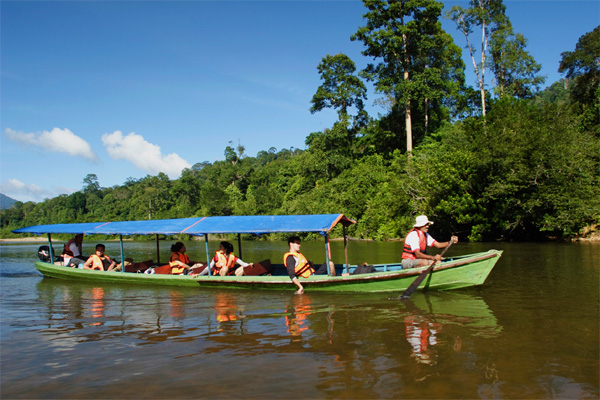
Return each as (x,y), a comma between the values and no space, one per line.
(413,286)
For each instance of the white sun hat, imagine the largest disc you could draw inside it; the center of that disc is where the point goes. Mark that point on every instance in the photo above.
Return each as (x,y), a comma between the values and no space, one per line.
(422,221)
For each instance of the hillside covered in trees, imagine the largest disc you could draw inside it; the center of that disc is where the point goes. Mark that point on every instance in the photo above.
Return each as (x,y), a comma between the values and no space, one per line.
(502,161)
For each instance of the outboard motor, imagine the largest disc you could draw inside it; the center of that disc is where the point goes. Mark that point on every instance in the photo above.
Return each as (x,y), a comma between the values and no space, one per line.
(44,254)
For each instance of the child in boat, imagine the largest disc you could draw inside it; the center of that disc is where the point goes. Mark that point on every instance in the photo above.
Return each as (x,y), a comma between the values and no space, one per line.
(224,262)
(100,261)
(179,261)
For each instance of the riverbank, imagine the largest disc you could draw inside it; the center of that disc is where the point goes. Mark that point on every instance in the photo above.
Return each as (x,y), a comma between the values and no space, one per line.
(36,239)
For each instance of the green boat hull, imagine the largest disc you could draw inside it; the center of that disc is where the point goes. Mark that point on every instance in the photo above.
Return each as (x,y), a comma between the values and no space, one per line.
(466,271)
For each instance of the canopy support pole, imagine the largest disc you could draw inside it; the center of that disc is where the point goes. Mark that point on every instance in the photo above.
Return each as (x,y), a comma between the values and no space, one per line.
(240,245)
(157,251)
(346,251)
(328,254)
(207,255)
(122,259)
(51,249)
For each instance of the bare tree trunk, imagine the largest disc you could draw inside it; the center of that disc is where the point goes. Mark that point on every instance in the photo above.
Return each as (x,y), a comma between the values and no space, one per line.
(484,42)
(480,72)
(407,109)
(409,145)
(426,116)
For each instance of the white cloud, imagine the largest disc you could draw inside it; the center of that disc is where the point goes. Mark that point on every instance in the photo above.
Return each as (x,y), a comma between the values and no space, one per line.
(18,190)
(144,155)
(57,140)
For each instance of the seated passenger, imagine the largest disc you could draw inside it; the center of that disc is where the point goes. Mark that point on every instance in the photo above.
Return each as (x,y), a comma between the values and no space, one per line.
(179,261)
(224,262)
(72,251)
(99,261)
(298,266)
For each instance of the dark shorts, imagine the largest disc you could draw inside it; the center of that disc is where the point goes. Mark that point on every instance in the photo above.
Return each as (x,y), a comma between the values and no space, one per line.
(321,269)
(76,262)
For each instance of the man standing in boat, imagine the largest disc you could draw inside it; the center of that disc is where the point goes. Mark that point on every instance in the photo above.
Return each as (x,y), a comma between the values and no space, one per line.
(416,243)
(298,266)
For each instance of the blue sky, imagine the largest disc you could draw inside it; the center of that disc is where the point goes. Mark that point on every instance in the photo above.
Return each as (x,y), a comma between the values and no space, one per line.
(128,89)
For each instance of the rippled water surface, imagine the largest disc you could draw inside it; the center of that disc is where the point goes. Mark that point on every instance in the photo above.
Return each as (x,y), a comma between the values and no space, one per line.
(530,332)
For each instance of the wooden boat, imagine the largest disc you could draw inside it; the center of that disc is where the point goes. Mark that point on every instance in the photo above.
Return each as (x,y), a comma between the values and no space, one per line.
(460,272)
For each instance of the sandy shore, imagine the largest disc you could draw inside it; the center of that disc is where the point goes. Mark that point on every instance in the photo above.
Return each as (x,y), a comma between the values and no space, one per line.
(44,239)
(34,239)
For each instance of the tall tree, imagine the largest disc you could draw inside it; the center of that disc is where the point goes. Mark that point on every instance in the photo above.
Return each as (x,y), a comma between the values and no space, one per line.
(582,66)
(406,36)
(341,88)
(235,157)
(485,14)
(515,70)
(501,50)
(91,184)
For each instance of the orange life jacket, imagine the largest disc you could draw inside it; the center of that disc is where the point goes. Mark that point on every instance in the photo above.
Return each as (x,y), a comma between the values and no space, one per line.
(226,309)
(222,260)
(175,268)
(297,322)
(97,262)
(408,253)
(303,268)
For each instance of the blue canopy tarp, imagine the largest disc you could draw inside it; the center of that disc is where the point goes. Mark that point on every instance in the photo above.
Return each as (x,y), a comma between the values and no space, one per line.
(261,224)
(148,227)
(257,224)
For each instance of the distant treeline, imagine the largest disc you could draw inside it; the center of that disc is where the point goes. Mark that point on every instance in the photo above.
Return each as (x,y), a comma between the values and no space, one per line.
(512,164)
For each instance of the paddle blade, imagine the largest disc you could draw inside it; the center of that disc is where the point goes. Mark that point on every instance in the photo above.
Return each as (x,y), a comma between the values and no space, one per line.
(413,286)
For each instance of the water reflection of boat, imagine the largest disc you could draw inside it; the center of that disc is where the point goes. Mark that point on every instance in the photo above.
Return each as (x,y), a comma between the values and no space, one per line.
(421,333)
(155,315)
(456,308)
(297,313)
(225,307)
(426,316)
(97,304)
(359,335)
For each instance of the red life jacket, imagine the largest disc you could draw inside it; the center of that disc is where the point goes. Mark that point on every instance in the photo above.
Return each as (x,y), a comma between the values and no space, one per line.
(408,253)
(303,268)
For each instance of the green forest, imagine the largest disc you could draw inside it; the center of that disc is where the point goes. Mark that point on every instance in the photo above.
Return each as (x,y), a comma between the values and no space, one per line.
(503,160)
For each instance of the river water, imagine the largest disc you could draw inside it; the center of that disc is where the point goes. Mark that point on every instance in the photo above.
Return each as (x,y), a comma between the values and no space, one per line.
(531,331)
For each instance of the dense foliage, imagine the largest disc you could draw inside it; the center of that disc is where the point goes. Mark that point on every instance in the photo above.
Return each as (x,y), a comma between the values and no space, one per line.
(527,169)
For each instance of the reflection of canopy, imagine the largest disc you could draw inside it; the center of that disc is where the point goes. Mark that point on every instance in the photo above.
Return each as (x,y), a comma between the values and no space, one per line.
(258,224)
